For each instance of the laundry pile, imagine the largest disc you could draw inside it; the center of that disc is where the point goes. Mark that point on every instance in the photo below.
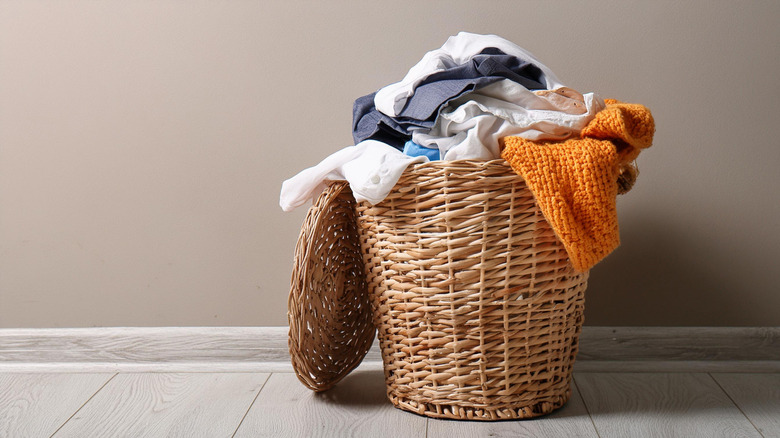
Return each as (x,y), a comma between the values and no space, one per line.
(481,97)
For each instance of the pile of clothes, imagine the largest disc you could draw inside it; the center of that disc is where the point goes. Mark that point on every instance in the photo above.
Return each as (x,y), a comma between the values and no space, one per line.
(481,97)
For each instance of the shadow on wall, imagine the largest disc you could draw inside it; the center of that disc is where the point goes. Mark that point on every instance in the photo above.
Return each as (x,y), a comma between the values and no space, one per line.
(662,275)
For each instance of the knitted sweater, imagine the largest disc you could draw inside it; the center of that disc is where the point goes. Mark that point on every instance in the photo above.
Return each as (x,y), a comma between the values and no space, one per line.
(575,181)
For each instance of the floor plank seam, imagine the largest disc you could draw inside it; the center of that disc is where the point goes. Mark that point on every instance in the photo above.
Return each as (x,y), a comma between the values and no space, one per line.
(250,406)
(579,392)
(83,404)
(735,403)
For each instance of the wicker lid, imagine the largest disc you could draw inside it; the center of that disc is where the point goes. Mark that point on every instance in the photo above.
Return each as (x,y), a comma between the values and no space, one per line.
(329,311)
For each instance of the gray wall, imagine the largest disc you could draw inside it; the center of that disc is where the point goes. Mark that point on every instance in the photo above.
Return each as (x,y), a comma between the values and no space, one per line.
(143,144)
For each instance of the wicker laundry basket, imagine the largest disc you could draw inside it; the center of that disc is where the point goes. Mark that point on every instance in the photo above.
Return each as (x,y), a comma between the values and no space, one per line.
(477,308)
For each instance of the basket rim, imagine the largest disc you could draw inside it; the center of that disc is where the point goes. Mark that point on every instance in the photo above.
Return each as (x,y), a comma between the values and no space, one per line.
(471,162)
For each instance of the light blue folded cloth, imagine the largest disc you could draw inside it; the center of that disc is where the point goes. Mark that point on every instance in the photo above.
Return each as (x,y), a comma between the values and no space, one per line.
(413,149)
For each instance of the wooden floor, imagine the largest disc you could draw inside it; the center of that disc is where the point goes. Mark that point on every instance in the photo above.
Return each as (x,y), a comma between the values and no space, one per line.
(277,405)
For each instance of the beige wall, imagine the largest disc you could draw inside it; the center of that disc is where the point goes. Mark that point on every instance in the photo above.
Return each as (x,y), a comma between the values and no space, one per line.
(143,144)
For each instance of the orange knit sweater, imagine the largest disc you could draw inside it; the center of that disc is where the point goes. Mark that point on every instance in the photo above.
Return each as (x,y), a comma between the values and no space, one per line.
(575,181)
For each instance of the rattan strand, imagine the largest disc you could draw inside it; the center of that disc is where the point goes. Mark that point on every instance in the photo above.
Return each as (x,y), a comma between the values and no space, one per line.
(477,307)
(328,306)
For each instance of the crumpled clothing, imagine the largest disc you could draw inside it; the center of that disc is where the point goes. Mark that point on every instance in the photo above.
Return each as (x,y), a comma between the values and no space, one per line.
(575,181)
(483,69)
(368,123)
(422,108)
(371,167)
(457,50)
(469,127)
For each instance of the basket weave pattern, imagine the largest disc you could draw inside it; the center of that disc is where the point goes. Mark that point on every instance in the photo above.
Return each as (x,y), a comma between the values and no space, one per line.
(328,306)
(477,307)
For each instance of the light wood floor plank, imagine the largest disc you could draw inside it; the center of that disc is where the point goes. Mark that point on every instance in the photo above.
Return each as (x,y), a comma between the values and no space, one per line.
(758,395)
(356,407)
(167,405)
(34,405)
(571,420)
(661,405)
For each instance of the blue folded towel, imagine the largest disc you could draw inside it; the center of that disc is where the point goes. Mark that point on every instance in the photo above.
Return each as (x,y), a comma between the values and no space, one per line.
(413,149)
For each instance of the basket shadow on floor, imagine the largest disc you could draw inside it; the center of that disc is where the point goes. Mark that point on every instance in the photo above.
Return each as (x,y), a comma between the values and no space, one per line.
(360,387)
(366,387)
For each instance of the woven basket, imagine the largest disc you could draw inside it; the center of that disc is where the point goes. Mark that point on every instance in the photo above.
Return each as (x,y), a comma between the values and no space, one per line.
(477,307)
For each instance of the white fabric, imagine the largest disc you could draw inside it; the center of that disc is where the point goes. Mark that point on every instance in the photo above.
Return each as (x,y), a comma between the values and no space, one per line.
(457,50)
(470,126)
(371,167)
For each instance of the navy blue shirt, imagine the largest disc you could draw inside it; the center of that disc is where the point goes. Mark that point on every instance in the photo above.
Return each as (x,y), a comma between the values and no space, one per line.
(430,96)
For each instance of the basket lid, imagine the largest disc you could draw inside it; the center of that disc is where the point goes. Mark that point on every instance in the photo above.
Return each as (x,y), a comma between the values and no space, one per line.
(329,307)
